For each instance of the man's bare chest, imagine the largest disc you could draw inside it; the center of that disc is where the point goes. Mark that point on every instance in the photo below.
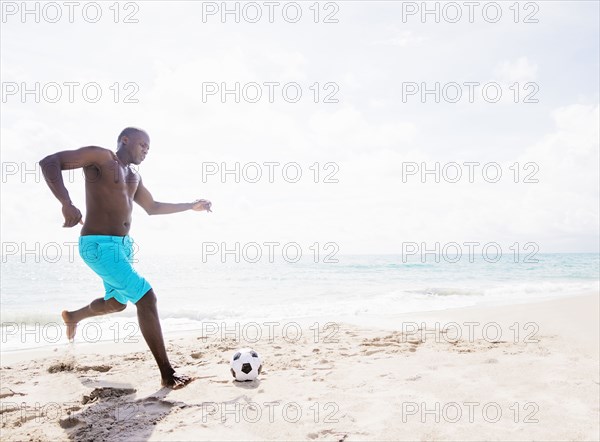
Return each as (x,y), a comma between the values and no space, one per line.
(112,176)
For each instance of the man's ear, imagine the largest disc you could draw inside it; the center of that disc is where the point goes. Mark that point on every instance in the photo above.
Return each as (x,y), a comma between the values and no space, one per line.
(124,139)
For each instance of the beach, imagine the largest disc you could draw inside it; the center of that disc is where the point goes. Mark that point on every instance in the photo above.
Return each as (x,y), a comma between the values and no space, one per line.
(525,371)
(395,204)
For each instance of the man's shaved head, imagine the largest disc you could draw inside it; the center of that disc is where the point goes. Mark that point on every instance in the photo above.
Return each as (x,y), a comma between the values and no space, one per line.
(133,145)
(130,131)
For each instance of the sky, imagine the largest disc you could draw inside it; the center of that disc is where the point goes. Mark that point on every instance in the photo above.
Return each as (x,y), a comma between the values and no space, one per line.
(361,121)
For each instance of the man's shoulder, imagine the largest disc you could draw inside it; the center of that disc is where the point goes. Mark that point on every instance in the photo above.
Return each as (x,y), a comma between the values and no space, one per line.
(96,156)
(99,149)
(100,152)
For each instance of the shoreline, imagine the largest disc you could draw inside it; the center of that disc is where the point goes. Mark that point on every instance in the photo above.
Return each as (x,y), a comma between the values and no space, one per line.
(383,322)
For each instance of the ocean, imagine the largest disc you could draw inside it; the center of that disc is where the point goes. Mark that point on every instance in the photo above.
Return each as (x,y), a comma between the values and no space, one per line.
(191,292)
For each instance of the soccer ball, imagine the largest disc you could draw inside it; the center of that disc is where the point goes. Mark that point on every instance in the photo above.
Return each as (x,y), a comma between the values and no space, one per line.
(245,364)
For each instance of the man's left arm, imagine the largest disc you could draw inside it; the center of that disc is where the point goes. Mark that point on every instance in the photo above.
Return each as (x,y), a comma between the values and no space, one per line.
(144,198)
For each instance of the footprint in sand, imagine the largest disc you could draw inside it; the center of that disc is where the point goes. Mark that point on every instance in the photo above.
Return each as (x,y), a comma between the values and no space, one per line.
(7,392)
(61,366)
(371,352)
(340,437)
(135,357)
(107,392)
(69,422)
(414,378)
(394,343)
(100,368)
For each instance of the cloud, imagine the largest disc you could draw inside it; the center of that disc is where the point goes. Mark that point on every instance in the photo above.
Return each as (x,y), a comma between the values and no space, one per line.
(565,202)
(521,70)
(350,129)
(400,39)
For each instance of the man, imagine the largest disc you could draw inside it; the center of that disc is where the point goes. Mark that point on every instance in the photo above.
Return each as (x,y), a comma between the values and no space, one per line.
(111,186)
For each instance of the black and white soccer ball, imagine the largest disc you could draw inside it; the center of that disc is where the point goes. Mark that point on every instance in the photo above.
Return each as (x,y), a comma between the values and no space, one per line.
(246,364)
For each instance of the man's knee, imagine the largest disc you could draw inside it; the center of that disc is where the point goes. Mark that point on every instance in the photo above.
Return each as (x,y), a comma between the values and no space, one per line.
(149,298)
(115,305)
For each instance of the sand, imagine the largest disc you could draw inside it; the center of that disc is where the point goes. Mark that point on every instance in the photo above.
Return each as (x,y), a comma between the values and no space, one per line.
(402,377)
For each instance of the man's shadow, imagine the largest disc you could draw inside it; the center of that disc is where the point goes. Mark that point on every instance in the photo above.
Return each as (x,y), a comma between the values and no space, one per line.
(116,413)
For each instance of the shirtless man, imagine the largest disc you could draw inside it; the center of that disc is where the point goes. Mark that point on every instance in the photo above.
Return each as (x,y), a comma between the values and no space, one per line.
(111,186)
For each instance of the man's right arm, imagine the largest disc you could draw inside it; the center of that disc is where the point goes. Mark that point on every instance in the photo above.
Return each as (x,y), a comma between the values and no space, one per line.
(52,167)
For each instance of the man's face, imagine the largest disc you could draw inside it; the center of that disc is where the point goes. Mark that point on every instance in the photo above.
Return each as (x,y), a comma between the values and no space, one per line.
(139,145)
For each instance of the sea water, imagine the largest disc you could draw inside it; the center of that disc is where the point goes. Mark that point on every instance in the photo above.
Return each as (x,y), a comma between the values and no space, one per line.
(190,292)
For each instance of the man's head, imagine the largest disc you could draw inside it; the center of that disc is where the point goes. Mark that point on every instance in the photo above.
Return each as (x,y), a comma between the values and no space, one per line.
(136,143)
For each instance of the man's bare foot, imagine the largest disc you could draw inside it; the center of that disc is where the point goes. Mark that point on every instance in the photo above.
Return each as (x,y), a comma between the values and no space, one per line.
(176,381)
(71,326)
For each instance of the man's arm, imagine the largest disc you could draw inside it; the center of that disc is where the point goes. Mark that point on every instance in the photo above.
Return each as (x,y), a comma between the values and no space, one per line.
(144,198)
(52,167)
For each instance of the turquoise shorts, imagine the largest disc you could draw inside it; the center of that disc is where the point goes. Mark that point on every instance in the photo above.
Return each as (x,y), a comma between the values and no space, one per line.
(111,257)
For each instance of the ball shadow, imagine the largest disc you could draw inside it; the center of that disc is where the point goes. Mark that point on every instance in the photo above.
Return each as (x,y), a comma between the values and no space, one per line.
(247,385)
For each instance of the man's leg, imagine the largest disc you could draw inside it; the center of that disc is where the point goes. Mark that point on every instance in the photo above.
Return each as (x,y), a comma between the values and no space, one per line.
(96,308)
(152,332)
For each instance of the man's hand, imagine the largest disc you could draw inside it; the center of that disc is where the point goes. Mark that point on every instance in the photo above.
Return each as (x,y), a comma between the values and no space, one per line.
(72,215)
(200,205)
